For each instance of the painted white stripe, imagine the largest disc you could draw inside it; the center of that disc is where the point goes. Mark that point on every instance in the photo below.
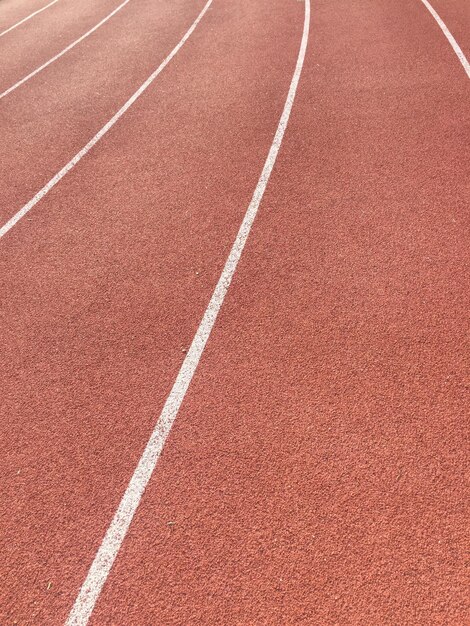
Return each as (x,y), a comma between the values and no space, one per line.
(69,47)
(450,38)
(79,156)
(25,19)
(119,526)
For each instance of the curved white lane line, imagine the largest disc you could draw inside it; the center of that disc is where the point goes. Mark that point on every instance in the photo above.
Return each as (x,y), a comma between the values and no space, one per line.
(450,38)
(57,56)
(25,19)
(79,156)
(119,526)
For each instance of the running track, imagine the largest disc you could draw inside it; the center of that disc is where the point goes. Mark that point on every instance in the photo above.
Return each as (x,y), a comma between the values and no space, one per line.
(317,469)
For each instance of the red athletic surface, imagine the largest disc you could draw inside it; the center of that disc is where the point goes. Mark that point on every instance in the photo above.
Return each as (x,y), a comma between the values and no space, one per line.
(317,472)
(456,16)
(13,11)
(46,35)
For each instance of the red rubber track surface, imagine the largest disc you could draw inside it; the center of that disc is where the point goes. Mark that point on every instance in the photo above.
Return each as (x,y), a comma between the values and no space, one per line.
(102,292)
(47,34)
(46,127)
(456,16)
(316,471)
(12,11)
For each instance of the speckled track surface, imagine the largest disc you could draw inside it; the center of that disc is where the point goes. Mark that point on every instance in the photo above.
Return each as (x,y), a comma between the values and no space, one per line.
(456,16)
(317,472)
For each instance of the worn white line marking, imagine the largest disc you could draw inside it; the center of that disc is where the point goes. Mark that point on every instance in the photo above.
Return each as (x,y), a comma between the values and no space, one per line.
(79,156)
(25,19)
(450,38)
(57,56)
(119,526)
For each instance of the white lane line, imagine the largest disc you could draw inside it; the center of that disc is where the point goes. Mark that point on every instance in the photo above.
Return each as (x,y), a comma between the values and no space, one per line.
(57,56)
(79,156)
(450,38)
(25,19)
(117,530)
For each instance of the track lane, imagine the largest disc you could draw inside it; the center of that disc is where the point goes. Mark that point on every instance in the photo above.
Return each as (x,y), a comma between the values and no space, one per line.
(75,160)
(54,115)
(316,472)
(116,533)
(44,38)
(13,15)
(101,296)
